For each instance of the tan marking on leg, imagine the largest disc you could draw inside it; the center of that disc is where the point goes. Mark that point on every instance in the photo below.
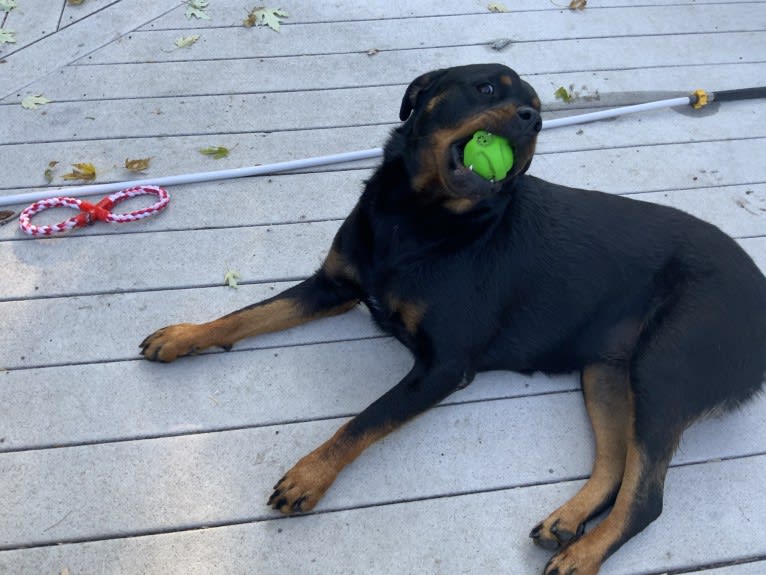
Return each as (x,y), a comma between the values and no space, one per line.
(277,315)
(607,400)
(178,340)
(586,555)
(610,409)
(304,485)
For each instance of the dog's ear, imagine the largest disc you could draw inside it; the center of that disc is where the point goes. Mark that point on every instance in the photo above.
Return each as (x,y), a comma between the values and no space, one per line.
(418,85)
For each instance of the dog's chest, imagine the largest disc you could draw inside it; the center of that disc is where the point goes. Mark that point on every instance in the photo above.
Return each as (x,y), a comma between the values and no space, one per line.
(394,313)
(397,301)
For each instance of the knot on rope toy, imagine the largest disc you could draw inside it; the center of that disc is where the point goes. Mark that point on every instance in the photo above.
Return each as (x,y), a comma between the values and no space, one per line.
(90,213)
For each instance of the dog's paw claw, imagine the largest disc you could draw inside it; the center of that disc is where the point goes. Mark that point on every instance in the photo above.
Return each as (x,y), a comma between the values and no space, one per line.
(302,487)
(539,537)
(549,534)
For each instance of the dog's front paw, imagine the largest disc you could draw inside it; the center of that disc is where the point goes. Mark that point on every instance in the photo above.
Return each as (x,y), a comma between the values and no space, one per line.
(172,342)
(303,486)
(555,532)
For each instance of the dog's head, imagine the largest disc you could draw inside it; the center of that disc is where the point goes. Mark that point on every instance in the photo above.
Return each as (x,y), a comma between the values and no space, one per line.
(444,108)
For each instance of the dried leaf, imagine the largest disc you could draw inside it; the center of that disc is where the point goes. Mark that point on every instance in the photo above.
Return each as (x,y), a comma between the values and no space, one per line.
(500,44)
(230,278)
(32,102)
(137,165)
(196,9)
(81,172)
(563,94)
(7,36)
(263,16)
(215,152)
(187,41)
(577,4)
(5,217)
(74,2)
(49,171)
(7,5)
(497,7)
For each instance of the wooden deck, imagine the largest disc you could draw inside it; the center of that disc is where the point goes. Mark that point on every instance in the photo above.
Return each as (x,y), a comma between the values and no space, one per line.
(110,464)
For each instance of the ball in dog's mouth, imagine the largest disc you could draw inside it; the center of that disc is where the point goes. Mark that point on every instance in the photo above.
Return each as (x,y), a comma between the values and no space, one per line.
(488,155)
(485,154)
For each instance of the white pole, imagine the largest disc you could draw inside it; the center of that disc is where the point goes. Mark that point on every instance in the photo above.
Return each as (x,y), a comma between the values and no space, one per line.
(75,191)
(614,112)
(89,190)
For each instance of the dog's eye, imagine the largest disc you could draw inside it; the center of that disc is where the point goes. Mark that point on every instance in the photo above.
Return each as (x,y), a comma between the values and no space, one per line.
(485,88)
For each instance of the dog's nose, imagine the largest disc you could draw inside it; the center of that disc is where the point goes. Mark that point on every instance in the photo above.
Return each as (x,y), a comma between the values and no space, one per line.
(530,118)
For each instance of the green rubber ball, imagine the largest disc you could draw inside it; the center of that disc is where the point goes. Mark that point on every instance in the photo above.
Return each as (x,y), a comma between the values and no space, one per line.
(488,155)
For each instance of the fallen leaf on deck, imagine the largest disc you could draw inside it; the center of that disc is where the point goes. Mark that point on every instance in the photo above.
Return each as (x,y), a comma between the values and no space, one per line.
(497,7)
(32,102)
(263,16)
(81,172)
(187,41)
(196,9)
(7,36)
(137,165)
(563,94)
(577,4)
(74,2)
(7,5)
(500,44)
(215,152)
(5,217)
(230,278)
(49,171)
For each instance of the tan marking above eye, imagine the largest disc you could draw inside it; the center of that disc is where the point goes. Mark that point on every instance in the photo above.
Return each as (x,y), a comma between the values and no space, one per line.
(506,80)
(433,102)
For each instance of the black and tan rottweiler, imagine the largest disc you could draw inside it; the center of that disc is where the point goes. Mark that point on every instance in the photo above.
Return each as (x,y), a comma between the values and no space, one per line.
(663,314)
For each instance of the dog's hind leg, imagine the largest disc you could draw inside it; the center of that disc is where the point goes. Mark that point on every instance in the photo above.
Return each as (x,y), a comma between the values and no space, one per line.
(677,373)
(605,388)
(638,503)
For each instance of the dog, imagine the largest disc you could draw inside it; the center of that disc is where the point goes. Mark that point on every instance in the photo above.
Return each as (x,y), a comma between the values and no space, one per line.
(662,314)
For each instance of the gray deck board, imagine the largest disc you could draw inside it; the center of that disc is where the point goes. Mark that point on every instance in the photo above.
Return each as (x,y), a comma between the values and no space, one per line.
(484,446)
(110,464)
(278,111)
(444,535)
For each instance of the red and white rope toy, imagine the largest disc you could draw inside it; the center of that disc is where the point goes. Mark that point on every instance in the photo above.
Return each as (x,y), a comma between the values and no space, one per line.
(90,213)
